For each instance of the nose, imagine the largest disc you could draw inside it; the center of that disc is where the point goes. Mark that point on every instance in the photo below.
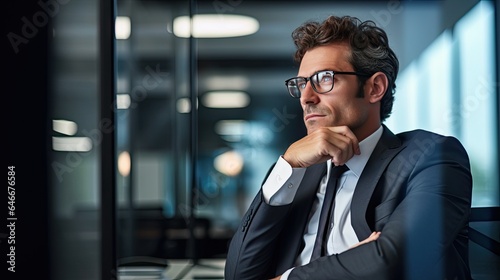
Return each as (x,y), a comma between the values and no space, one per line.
(308,95)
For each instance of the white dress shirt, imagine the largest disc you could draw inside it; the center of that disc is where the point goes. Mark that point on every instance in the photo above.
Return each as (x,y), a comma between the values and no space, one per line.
(281,186)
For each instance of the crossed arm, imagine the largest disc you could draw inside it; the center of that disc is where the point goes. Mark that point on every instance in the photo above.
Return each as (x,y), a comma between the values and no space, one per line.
(374,236)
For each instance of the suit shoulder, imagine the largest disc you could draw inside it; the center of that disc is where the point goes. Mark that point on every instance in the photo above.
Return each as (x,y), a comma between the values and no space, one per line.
(427,140)
(418,133)
(412,135)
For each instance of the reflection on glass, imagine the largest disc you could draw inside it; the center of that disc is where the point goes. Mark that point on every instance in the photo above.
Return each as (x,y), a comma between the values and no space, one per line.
(247,131)
(450,89)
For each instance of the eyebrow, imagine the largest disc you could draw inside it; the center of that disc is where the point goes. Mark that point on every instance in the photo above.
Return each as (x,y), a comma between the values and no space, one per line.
(319,71)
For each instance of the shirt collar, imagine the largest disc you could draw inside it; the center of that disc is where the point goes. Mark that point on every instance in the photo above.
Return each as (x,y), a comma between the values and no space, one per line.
(357,163)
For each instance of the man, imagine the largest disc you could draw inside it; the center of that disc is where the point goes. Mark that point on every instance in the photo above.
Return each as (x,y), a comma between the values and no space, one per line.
(401,209)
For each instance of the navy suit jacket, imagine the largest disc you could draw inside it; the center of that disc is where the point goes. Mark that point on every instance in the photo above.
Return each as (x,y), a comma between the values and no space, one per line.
(415,188)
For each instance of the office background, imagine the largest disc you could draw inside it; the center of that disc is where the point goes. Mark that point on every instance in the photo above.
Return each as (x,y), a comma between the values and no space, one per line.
(119,164)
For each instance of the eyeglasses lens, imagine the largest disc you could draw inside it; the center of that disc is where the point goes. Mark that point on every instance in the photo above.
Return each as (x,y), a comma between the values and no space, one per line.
(323,81)
(294,87)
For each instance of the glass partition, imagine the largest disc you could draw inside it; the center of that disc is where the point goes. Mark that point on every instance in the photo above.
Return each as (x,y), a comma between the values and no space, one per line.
(245,118)
(153,130)
(74,208)
(450,88)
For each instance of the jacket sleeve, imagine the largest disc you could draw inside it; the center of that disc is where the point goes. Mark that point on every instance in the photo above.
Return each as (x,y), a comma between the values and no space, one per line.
(252,247)
(434,186)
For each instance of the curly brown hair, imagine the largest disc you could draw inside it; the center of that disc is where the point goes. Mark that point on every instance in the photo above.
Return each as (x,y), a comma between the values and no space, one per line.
(370,51)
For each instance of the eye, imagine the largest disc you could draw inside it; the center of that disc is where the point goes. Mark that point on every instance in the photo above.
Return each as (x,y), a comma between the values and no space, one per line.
(325,78)
(300,83)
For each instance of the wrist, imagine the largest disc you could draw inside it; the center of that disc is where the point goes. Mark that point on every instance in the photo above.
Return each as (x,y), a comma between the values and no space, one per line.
(289,160)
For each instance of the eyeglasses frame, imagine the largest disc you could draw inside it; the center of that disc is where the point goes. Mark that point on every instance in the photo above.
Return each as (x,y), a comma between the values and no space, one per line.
(316,73)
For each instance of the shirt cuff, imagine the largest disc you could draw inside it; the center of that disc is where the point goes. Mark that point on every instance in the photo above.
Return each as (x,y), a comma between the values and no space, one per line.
(282,183)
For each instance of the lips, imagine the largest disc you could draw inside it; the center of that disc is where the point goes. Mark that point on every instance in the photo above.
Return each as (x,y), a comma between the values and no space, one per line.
(313,115)
(313,111)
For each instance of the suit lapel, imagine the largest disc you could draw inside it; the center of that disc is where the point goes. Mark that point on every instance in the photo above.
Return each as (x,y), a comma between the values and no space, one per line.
(386,149)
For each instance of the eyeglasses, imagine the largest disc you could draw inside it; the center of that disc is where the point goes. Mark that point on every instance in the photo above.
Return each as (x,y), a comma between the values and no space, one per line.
(321,82)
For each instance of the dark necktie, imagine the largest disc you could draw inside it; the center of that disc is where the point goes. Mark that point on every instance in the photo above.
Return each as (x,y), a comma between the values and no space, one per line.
(321,238)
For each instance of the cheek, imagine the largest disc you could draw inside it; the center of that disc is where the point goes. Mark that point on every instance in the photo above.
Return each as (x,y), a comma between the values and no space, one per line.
(349,109)
(358,111)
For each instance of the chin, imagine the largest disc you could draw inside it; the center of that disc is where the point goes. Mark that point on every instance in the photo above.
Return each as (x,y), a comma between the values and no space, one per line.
(313,127)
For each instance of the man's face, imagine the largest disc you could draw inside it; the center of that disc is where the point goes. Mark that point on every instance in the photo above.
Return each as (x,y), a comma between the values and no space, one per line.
(340,106)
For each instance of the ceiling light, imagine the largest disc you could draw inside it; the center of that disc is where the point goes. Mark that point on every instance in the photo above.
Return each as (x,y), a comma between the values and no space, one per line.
(122,28)
(229,163)
(124,163)
(226,99)
(122,101)
(71,144)
(231,130)
(215,26)
(231,127)
(64,127)
(184,105)
(236,82)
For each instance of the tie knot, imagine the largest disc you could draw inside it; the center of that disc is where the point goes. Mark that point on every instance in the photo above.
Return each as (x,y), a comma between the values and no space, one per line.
(337,171)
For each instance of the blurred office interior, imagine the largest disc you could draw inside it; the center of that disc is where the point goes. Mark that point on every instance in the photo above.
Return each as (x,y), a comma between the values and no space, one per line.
(157,141)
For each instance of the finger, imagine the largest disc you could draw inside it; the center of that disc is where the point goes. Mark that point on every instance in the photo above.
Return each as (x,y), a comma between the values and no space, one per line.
(374,236)
(340,148)
(347,132)
(336,143)
(309,150)
(323,145)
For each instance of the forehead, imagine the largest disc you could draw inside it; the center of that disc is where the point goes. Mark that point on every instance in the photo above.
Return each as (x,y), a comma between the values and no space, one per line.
(329,57)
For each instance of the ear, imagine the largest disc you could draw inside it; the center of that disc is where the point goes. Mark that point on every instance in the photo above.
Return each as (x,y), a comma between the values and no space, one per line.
(376,87)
